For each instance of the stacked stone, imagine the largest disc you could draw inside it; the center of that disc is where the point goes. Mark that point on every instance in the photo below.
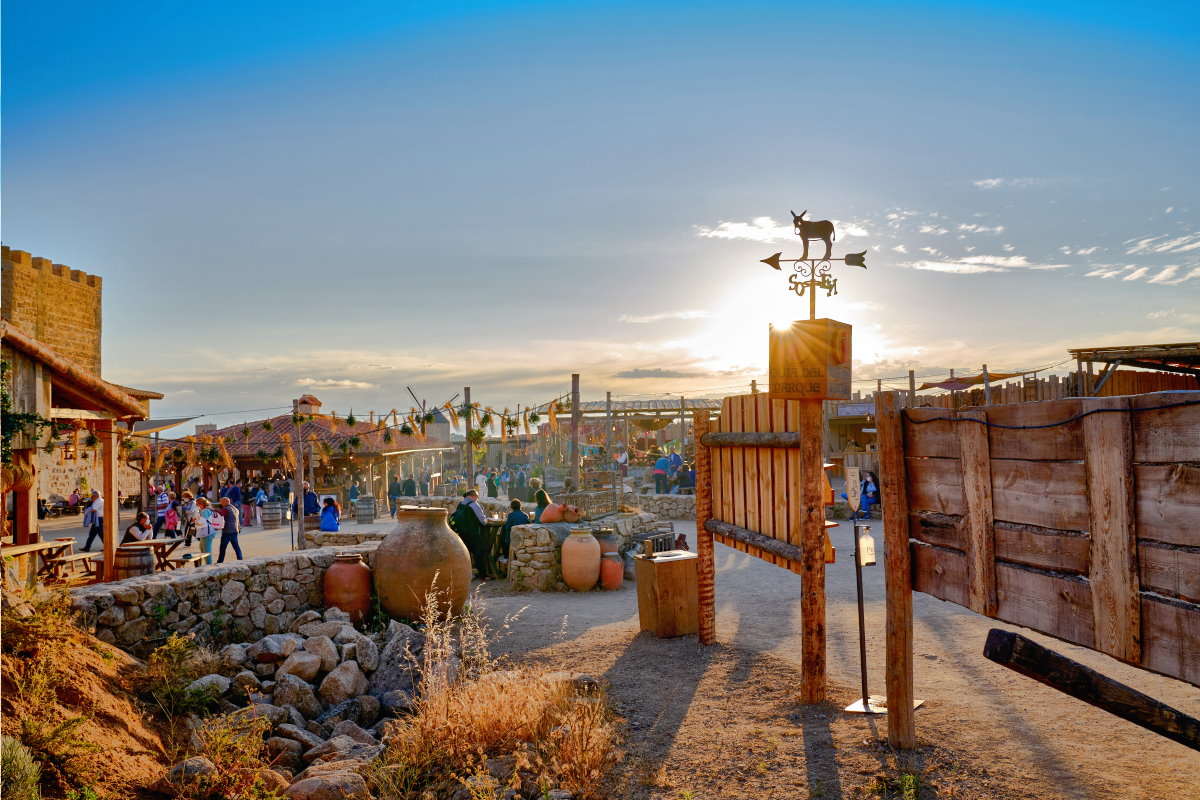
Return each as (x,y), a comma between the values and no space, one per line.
(665,506)
(535,553)
(242,601)
(329,693)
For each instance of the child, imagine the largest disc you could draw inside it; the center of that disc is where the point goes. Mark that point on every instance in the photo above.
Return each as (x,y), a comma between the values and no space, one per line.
(331,515)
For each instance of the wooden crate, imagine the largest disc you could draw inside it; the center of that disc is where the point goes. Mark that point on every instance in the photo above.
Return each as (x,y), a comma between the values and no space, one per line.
(667,597)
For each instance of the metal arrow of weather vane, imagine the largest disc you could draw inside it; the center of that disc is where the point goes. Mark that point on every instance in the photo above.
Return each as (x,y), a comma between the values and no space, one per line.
(814,273)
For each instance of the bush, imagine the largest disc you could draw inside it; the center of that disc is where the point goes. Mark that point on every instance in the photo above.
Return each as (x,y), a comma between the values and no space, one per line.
(20,776)
(56,746)
(234,743)
(170,670)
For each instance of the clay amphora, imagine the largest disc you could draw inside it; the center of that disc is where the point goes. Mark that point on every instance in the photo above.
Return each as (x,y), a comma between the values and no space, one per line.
(552,513)
(580,560)
(612,571)
(608,539)
(347,585)
(421,552)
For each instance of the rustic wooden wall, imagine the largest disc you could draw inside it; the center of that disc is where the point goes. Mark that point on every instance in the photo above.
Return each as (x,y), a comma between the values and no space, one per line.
(1088,531)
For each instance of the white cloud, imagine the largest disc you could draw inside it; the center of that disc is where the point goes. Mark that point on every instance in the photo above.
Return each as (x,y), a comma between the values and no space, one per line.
(996,183)
(333,383)
(934,229)
(1008,248)
(959,267)
(933,251)
(1160,314)
(1066,251)
(689,314)
(1086,251)
(1169,209)
(759,229)
(977,264)
(1136,274)
(1166,275)
(1155,244)
(972,228)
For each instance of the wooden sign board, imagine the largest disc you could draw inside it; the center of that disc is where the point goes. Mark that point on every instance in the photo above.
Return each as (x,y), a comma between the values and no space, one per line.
(810,360)
(854,487)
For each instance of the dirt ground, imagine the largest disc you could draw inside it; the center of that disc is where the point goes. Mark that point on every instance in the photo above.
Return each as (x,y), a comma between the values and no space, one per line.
(722,722)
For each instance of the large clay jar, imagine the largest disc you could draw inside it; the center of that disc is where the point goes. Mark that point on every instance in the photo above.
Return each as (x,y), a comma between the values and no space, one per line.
(420,554)
(552,513)
(571,514)
(608,539)
(581,560)
(347,585)
(612,571)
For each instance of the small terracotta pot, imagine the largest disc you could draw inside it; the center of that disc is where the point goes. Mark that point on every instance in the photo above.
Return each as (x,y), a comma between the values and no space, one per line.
(581,560)
(347,585)
(612,571)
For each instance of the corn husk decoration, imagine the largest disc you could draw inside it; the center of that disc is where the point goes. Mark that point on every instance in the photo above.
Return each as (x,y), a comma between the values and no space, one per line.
(160,459)
(452,413)
(147,456)
(226,458)
(552,415)
(525,420)
(289,453)
(191,451)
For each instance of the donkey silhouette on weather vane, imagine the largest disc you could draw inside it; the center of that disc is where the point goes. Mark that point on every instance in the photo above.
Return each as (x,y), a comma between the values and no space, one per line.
(808,229)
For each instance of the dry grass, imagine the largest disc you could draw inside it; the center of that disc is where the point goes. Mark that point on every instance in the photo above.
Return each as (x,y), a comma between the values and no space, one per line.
(492,729)
(235,744)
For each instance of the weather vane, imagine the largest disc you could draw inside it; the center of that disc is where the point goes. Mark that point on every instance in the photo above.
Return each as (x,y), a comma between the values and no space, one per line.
(814,273)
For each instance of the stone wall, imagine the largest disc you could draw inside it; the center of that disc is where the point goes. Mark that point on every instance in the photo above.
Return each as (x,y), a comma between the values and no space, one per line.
(57,478)
(57,305)
(241,601)
(535,552)
(664,506)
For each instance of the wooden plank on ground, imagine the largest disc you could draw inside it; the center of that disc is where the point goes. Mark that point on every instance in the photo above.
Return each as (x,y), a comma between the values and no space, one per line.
(1045,548)
(1168,503)
(1050,494)
(1057,443)
(1171,637)
(935,484)
(1057,605)
(1083,683)
(939,572)
(977,499)
(1170,570)
(930,433)
(1167,435)
(1113,569)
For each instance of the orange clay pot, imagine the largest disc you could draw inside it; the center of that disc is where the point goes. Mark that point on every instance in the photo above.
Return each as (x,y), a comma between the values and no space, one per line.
(612,571)
(580,560)
(347,585)
(419,555)
(552,513)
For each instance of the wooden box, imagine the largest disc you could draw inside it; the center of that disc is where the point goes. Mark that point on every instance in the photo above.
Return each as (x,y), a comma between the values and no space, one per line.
(810,360)
(666,590)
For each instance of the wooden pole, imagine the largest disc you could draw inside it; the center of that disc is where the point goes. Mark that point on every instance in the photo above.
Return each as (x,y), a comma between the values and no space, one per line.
(298,491)
(987,387)
(706,568)
(576,419)
(753,386)
(812,573)
(470,450)
(112,509)
(608,425)
(1083,683)
(897,572)
(912,389)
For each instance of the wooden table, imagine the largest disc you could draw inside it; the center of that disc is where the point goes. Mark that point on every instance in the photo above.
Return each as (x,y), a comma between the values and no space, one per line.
(492,531)
(162,551)
(44,550)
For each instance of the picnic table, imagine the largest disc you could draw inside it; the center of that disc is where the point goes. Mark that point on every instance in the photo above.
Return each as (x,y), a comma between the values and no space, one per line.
(162,549)
(46,552)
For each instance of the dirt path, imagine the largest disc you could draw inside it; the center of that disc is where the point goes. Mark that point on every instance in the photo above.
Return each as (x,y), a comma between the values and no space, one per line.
(722,721)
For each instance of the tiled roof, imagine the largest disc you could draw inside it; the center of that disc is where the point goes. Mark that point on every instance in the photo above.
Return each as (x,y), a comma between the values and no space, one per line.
(322,425)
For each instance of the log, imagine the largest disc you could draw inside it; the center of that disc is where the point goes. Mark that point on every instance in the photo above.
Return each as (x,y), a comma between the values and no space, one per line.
(755,539)
(706,568)
(812,533)
(752,439)
(898,572)
(1083,683)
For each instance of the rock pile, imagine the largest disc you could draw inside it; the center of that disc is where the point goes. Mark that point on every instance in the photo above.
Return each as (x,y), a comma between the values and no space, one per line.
(328,691)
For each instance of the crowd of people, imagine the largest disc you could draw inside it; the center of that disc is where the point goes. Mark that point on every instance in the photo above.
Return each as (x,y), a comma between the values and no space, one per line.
(673,475)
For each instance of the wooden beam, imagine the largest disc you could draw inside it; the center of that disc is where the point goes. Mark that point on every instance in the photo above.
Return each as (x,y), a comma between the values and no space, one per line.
(755,539)
(1108,456)
(897,571)
(1083,683)
(752,439)
(706,568)
(109,445)
(976,466)
(79,413)
(812,532)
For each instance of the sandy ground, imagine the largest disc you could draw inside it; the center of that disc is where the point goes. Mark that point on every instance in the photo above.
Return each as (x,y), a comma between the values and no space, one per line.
(722,722)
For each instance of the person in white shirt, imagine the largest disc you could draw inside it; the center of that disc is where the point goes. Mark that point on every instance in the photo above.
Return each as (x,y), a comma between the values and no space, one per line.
(161,503)
(94,516)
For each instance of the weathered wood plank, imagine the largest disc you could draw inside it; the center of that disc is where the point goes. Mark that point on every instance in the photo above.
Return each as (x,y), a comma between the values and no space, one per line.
(795,478)
(754,438)
(897,571)
(1113,570)
(737,468)
(977,498)
(769,490)
(1059,605)
(1168,435)
(720,469)
(1170,570)
(753,481)
(1168,503)
(935,484)
(755,539)
(930,439)
(939,572)
(942,530)
(1171,637)
(1058,443)
(1045,548)
(1083,683)
(782,525)
(1050,494)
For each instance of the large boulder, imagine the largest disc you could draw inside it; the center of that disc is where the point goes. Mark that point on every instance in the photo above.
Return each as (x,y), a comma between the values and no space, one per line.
(292,691)
(351,729)
(277,715)
(362,710)
(215,685)
(399,663)
(302,664)
(324,648)
(330,629)
(306,739)
(285,752)
(334,786)
(334,747)
(346,681)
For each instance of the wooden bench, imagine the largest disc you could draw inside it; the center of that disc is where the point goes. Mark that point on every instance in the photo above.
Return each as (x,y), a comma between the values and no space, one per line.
(58,566)
(195,559)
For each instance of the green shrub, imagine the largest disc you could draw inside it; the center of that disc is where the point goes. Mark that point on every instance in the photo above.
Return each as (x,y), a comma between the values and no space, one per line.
(20,776)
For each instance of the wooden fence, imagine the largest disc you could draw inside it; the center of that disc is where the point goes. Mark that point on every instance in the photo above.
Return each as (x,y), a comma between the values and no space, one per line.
(1079,518)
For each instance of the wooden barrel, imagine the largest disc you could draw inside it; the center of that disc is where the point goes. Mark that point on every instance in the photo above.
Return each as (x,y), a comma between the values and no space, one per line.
(272,514)
(366,510)
(132,561)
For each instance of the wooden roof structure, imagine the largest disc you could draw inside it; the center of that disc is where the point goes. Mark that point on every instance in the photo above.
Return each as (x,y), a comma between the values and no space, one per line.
(1181,358)
(641,407)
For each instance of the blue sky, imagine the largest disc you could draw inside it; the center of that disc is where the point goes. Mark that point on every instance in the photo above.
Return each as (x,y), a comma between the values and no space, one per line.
(351,198)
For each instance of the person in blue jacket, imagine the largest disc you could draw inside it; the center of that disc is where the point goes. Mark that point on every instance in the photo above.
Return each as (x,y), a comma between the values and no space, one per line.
(331,515)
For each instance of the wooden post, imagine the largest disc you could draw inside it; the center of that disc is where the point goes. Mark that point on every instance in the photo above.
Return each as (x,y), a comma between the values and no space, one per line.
(753,386)
(912,389)
(987,387)
(706,569)
(682,426)
(298,491)
(1113,567)
(608,425)
(975,463)
(812,530)
(898,573)
(576,420)
(470,451)
(112,509)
